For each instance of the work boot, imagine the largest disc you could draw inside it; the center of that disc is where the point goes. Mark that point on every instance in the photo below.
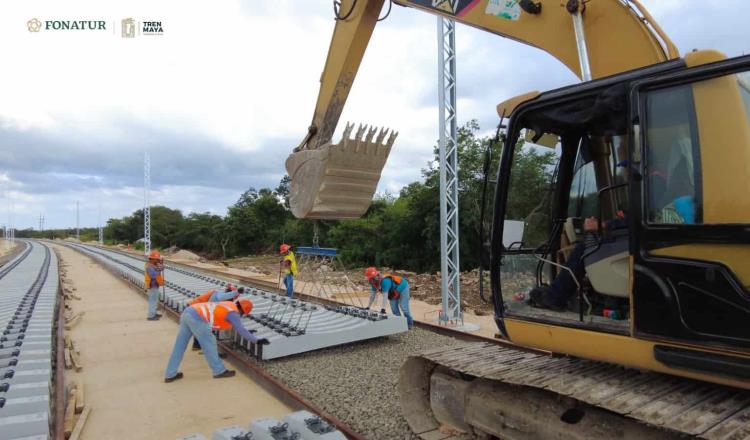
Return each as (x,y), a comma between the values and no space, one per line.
(174,378)
(226,373)
(154,318)
(541,296)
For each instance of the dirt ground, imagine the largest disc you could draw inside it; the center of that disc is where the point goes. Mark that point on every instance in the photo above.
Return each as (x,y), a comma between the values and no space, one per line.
(5,249)
(124,357)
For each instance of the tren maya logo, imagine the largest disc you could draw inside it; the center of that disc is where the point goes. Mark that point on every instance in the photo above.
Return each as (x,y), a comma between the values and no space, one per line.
(35,25)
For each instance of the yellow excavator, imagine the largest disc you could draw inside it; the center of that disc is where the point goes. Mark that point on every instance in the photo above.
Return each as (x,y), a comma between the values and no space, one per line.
(646,224)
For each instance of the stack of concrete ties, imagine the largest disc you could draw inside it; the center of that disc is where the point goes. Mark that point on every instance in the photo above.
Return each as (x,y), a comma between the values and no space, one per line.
(300,425)
(28,300)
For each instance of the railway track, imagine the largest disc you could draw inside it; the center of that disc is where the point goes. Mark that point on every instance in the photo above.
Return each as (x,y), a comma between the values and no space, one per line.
(347,385)
(30,380)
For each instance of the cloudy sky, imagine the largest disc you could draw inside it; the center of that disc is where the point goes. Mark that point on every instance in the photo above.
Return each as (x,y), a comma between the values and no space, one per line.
(222,97)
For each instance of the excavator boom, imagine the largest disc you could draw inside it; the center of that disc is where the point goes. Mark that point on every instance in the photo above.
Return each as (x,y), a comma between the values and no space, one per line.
(592,39)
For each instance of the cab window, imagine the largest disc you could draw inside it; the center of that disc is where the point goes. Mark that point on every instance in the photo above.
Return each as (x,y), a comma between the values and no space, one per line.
(698,151)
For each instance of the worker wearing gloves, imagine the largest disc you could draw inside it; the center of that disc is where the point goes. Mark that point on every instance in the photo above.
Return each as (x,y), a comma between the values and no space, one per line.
(199,320)
(153,281)
(230,293)
(288,267)
(370,274)
(397,289)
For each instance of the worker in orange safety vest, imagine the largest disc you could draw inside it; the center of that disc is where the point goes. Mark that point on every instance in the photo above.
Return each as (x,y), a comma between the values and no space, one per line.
(153,275)
(230,293)
(199,320)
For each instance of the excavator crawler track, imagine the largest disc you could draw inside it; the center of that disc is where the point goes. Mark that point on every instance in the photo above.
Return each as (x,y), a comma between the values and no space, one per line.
(446,387)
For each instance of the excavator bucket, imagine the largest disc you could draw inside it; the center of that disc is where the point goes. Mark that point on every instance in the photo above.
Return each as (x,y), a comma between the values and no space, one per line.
(338,181)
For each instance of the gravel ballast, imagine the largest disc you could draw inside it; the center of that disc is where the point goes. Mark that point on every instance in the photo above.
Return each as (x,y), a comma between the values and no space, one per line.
(357,382)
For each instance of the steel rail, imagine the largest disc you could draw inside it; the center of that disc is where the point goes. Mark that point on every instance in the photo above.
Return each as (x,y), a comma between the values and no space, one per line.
(59,360)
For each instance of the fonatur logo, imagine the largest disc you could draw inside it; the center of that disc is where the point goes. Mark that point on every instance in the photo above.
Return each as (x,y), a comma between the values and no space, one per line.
(34,25)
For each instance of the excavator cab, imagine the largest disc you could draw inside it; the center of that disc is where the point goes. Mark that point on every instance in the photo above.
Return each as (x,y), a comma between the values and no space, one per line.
(658,160)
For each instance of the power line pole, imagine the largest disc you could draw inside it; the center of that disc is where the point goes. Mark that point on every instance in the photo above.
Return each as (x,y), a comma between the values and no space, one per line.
(450,269)
(146,203)
(99,222)
(78,230)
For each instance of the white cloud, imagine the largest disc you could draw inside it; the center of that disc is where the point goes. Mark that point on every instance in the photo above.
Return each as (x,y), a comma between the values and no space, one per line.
(239,79)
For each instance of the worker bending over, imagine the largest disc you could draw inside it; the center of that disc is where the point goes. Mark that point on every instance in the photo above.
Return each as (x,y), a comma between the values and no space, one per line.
(153,281)
(199,320)
(288,267)
(397,289)
(230,293)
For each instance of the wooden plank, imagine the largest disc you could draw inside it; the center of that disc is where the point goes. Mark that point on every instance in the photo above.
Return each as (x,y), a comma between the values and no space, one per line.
(70,414)
(69,324)
(79,424)
(68,359)
(76,362)
(80,400)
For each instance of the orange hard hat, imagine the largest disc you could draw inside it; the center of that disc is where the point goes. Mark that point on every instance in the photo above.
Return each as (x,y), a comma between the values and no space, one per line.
(371,273)
(154,255)
(284,247)
(245,306)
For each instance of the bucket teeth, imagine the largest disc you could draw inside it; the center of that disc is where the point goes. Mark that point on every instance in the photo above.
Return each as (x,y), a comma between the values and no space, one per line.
(368,139)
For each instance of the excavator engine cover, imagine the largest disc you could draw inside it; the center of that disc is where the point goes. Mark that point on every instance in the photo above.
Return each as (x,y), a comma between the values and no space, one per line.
(338,181)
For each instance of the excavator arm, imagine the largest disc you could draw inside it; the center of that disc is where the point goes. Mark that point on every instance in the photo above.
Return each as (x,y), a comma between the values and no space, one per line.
(593,39)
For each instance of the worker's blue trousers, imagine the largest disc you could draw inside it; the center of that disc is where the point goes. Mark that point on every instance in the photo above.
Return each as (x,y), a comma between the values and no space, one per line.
(153,299)
(402,303)
(289,283)
(191,325)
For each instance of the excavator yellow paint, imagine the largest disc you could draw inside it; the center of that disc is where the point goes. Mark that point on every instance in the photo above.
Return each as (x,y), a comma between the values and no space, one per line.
(507,107)
(614,349)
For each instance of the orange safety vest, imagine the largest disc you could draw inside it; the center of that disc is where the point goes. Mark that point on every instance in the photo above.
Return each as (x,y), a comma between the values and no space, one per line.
(396,280)
(216,313)
(203,298)
(147,277)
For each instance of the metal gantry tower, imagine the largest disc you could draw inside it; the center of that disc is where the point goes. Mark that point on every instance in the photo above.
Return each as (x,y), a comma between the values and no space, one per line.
(450,269)
(99,222)
(78,230)
(146,203)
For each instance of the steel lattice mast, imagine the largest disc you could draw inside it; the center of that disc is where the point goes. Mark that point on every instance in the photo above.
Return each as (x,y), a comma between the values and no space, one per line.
(78,230)
(146,203)
(99,222)
(450,269)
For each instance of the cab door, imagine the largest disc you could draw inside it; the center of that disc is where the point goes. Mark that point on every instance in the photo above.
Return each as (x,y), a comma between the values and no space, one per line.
(691,229)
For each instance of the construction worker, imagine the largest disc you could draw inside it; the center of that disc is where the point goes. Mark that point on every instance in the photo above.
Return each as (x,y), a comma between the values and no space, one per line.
(199,320)
(397,289)
(230,293)
(153,281)
(288,267)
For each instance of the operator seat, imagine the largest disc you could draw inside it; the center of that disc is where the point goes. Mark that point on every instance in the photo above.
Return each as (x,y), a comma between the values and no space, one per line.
(607,263)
